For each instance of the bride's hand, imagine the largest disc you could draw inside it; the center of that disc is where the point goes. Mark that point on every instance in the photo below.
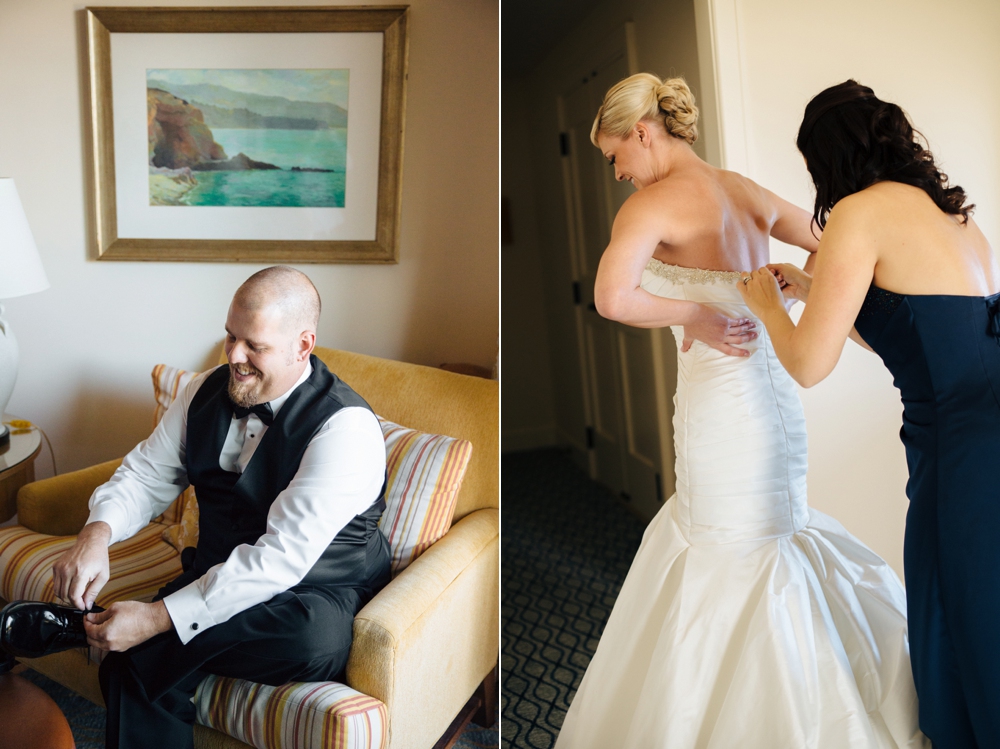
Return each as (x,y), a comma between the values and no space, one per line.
(719,331)
(761,291)
(794,281)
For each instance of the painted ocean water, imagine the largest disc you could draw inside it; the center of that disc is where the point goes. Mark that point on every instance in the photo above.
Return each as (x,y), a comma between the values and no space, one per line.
(247,137)
(270,188)
(313,149)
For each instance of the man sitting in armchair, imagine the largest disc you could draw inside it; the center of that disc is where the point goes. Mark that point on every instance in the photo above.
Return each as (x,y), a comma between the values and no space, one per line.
(288,464)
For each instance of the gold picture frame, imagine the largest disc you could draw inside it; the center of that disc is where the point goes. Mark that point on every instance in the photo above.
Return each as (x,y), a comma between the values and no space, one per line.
(390,21)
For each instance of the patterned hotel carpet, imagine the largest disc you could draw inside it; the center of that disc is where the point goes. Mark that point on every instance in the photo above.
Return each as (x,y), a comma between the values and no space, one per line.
(567,544)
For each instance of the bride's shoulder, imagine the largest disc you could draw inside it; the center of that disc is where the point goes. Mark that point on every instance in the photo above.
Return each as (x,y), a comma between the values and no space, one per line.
(655,200)
(743,191)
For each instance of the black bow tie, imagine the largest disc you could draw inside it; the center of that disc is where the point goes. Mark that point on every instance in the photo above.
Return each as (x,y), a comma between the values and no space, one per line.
(263,411)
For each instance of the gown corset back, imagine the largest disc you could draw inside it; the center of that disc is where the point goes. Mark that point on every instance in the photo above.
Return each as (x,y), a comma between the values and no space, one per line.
(739,429)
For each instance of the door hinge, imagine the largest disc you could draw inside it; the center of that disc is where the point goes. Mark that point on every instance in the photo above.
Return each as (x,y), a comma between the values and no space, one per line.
(564,144)
(576,292)
(659,488)
(590,438)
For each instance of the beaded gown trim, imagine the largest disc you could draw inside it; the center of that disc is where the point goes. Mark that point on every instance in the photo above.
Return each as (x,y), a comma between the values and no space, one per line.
(681,275)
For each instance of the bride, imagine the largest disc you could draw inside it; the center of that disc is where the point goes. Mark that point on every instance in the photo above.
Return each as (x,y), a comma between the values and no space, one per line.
(747,619)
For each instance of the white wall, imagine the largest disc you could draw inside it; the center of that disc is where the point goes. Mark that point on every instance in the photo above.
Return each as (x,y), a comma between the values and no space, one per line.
(941,63)
(88,343)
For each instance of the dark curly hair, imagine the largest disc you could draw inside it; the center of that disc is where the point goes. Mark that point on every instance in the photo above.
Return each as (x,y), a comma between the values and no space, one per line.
(851,139)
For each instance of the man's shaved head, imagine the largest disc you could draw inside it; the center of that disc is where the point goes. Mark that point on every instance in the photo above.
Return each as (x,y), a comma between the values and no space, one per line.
(289,290)
(270,334)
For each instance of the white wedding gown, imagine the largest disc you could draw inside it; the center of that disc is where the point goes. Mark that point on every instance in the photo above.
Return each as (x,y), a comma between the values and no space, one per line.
(747,620)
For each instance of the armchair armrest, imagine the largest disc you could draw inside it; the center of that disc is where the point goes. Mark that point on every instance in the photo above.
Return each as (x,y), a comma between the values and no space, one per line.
(427,640)
(58,505)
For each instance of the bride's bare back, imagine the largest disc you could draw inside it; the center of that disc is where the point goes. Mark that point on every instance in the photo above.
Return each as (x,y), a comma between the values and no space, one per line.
(710,218)
(685,212)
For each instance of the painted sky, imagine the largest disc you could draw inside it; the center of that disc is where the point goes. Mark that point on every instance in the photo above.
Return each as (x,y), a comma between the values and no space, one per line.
(299,84)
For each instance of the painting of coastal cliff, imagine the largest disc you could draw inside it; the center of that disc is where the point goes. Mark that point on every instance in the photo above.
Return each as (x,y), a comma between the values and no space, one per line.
(260,138)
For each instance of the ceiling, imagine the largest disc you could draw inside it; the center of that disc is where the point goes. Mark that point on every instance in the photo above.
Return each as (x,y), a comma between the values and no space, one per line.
(531,28)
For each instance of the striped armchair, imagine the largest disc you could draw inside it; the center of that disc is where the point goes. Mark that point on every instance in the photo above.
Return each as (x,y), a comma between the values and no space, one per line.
(425,648)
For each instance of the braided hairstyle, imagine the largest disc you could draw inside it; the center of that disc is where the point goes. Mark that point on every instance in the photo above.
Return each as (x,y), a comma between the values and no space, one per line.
(644,96)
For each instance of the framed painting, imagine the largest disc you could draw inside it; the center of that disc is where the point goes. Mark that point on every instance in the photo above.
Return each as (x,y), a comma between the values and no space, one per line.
(247,134)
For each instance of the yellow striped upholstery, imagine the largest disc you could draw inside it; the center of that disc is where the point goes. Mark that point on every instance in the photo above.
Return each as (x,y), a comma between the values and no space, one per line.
(182,515)
(184,533)
(140,565)
(303,715)
(425,474)
(167,383)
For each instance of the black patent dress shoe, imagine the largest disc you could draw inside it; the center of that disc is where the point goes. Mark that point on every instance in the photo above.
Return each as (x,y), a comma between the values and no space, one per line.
(29,629)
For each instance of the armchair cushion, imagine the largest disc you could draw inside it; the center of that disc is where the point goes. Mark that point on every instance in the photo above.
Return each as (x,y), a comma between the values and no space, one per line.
(303,715)
(167,383)
(425,473)
(181,518)
(140,565)
(57,506)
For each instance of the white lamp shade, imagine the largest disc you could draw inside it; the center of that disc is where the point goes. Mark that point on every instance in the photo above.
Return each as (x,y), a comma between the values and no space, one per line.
(21,270)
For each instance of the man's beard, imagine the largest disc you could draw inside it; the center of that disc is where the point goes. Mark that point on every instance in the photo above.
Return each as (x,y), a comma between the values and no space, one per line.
(245,394)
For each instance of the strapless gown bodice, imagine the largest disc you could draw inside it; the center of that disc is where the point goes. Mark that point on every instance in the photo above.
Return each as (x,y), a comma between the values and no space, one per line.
(747,619)
(739,429)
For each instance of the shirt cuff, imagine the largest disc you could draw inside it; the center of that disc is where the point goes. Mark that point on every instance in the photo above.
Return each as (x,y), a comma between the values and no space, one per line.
(188,612)
(114,516)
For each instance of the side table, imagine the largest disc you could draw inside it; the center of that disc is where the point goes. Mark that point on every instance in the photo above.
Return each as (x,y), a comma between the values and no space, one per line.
(17,466)
(30,718)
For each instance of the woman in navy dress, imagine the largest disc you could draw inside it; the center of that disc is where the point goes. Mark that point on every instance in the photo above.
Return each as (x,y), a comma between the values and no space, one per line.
(904,269)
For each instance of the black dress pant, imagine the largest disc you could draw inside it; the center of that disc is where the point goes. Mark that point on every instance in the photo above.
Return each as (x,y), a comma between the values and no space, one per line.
(303,634)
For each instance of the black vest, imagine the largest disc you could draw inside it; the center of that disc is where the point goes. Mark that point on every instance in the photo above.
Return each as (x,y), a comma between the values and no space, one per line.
(233,507)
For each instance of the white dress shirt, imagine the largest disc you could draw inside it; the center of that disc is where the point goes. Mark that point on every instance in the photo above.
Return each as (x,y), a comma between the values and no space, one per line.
(340,475)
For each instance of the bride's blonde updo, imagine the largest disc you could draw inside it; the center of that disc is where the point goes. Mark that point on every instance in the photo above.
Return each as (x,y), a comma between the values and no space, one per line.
(644,96)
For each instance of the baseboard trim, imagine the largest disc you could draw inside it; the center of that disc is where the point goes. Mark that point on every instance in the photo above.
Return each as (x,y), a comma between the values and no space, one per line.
(529,438)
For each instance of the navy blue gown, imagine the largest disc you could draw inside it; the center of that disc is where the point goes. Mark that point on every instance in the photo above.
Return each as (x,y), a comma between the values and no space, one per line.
(944,355)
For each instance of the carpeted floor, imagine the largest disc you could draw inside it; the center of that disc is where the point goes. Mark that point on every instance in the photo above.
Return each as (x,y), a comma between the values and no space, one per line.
(87,719)
(566,547)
